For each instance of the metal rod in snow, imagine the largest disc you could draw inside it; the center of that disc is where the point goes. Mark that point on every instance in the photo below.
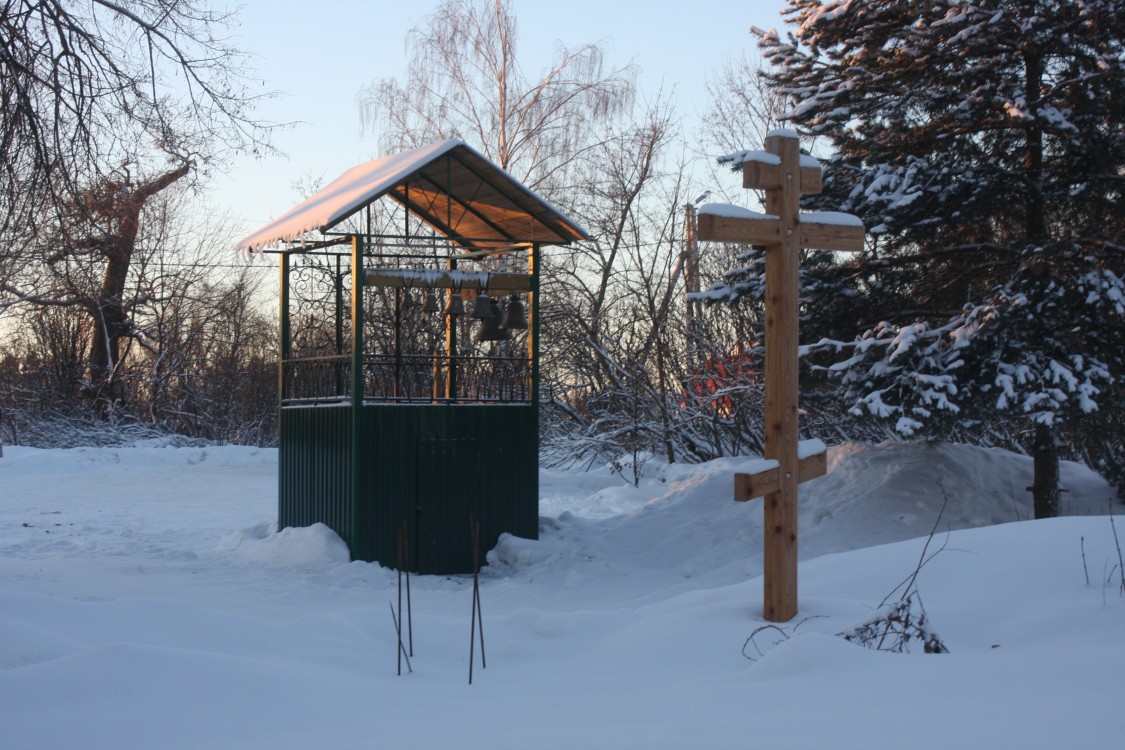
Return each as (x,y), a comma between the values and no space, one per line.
(398,621)
(401,649)
(476,593)
(480,630)
(409,608)
(475,616)
(472,638)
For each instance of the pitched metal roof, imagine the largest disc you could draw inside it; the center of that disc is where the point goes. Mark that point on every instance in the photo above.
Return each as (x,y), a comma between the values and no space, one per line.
(453,188)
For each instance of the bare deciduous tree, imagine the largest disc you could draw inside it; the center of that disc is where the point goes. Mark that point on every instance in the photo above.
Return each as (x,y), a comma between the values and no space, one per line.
(742,106)
(88,88)
(196,355)
(106,105)
(464,80)
(612,340)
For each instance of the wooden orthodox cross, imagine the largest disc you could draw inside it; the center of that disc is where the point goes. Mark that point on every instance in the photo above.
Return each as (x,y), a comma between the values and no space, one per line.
(784,175)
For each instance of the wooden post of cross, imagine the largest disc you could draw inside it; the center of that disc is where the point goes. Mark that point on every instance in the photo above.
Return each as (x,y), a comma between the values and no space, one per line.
(784,174)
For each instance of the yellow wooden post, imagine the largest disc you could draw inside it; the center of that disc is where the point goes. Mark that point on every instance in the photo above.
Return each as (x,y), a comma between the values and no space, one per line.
(784,175)
(782,301)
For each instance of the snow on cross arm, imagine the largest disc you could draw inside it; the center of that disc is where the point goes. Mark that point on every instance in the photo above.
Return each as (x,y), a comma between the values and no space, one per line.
(731,211)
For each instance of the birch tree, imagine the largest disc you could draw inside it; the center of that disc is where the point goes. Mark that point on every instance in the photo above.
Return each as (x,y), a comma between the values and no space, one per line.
(464,78)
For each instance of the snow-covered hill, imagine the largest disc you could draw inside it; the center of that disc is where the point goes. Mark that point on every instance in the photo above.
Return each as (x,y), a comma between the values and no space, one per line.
(146,601)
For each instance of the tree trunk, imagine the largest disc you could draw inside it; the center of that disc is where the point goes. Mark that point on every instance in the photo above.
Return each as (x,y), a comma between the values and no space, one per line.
(1035,213)
(111,319)
(1045,485)
(111,324)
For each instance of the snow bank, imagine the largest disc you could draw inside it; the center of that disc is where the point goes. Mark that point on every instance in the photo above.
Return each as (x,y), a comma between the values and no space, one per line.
(316,546)
(146,601)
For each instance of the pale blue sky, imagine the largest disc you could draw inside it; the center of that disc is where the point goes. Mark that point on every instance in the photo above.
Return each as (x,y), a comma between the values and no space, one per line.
(320,54)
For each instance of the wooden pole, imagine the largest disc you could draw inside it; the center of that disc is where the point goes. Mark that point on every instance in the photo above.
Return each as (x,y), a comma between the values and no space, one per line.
(451,344)
(533,328)
(357,384)
(693,307)
(283,326)
(782,293)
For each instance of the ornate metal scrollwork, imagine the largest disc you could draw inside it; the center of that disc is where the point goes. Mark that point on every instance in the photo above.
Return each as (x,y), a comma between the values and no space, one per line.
(319,287)
(410,354)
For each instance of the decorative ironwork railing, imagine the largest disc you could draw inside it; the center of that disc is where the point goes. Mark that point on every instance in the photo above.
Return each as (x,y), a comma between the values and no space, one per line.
(409,379)
(316,379)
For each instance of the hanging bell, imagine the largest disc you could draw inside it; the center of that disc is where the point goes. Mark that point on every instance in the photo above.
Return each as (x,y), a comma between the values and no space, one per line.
(515,317)
(489,329)
(430,305)
(408,302)
(455,305)
(482,310)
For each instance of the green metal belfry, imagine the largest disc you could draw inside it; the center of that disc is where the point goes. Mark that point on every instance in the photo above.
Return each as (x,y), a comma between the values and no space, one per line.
(409,373)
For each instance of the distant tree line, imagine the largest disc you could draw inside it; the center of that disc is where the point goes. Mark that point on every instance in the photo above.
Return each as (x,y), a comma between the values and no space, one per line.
(110,316)
(191,351)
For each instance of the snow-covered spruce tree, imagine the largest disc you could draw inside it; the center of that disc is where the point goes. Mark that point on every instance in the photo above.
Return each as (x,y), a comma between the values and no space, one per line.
(834,305)
(992,123)
(982,144)
(1048,344)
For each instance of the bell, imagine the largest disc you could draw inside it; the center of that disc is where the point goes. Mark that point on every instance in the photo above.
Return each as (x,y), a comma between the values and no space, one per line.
(482,310)
(408,302)
(515,318)
(455,306)
(430,305)
(490,330)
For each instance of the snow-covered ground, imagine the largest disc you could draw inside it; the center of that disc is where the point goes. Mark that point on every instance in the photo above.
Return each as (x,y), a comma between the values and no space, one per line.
(146,601)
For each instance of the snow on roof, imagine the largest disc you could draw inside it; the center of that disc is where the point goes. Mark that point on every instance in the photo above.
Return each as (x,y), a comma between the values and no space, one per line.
(343,196)
(467,197)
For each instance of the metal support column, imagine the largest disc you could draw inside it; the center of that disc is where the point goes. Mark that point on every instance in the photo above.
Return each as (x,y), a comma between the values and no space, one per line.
(533,324)
(284,347)
(357,462)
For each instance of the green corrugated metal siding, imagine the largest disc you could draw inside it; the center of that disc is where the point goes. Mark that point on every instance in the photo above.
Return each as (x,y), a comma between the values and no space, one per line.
(430,466)
(448,492)
(314,468)
(434,466)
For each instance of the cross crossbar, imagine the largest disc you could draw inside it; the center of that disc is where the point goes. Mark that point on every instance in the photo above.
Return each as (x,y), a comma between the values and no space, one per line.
(762,483)
(741,229)
(761,175)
